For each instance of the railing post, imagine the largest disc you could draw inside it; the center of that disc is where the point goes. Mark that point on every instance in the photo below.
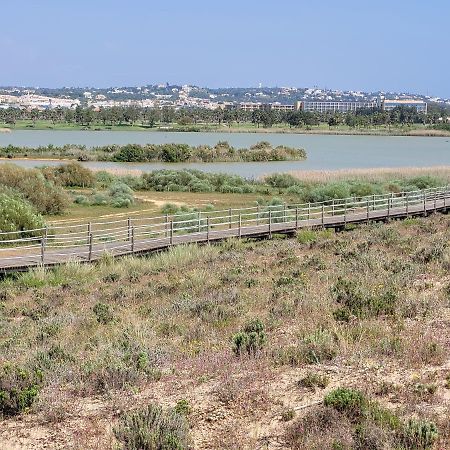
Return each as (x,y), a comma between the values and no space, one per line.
(270,223)
(368,209)
(332,208)
(240,224)
(323,215)
(132,239)
(90,246)
(166,225)
(89,231)
(424,205)
(284,212)
(171,232)
(129,228)
(309,211)
(435,200)
(296,217)
(207,229)
(345,212)
(388,207)
(229,216)
(42,250)
(373,202)
(407,204)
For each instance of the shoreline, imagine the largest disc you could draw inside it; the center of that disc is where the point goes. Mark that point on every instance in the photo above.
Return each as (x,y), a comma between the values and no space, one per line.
(411,133)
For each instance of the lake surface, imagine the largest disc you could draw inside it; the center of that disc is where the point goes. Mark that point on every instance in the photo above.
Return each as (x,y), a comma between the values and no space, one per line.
(325,152)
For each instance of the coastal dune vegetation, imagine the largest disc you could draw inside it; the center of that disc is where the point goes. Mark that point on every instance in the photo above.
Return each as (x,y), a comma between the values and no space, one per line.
(326,340)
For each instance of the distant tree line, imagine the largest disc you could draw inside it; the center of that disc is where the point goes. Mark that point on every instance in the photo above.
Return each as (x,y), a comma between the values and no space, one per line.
(151,117)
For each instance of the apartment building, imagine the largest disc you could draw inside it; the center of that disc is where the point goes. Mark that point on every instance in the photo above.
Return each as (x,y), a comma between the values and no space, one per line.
(419,105)
(334,106)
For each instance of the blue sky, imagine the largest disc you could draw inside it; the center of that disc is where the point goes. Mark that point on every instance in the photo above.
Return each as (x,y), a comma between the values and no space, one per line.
(396,45)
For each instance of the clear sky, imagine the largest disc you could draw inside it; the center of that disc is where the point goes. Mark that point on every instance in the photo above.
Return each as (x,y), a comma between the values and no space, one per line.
(390,45)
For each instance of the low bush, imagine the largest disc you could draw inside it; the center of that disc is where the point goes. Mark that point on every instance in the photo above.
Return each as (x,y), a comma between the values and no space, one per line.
(31,184)
(418,434)
(72,174)
(121,195)
(356,301)
(103,313)
(313,380)
(251,339)
(153,428)
(19,388)
(17,214)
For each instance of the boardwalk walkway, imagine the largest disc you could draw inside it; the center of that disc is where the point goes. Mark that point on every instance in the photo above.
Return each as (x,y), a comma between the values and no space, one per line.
(88,242)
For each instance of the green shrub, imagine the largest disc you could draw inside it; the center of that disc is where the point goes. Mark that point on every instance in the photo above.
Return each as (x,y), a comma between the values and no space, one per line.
(354,300)
(350,402)
(103,313)
(153,428)
(19,388)
(17,214)
(183,408)
(81,200)
(121,195)
(99,200)
(251,339)
(419,435)
(31,184)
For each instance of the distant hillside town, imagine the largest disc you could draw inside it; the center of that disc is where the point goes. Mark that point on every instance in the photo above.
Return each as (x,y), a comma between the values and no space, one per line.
(186,96)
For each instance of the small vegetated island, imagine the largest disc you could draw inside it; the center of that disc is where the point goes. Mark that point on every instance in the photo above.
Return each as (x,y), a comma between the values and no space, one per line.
(169,153)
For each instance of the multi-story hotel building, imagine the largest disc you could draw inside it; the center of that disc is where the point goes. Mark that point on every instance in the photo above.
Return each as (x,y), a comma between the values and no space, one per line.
(334,106)
(388,105)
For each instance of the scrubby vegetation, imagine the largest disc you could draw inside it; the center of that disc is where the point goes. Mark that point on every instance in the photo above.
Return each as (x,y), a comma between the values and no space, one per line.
(153,428)
(356,422)
(170,153)
(31,185)
(17,214)
(247,335)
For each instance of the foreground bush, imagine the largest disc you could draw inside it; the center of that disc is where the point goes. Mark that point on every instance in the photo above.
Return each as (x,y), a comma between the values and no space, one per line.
(251,339)
(17,215)
(43,194)
(353,421)
(19,388)
(153,428)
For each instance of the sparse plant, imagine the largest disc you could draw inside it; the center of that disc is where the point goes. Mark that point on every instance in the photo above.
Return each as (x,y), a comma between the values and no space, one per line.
(153,428)
(103,313)
(251,339)
(19,388)
(313,380)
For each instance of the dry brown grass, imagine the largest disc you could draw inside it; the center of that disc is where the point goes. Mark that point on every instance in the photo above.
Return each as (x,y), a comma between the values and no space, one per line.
(371,175)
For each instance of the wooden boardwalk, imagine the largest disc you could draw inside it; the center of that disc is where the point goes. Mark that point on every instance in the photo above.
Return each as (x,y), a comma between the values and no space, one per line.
(88,242)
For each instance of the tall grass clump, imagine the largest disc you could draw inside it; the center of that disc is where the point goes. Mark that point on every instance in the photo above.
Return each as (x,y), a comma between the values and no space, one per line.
(153,428)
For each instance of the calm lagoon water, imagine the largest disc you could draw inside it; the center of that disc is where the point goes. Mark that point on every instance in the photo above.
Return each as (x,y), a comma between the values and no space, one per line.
(325,152)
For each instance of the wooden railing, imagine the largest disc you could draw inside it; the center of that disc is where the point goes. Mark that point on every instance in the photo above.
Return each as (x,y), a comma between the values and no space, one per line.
(62,242)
